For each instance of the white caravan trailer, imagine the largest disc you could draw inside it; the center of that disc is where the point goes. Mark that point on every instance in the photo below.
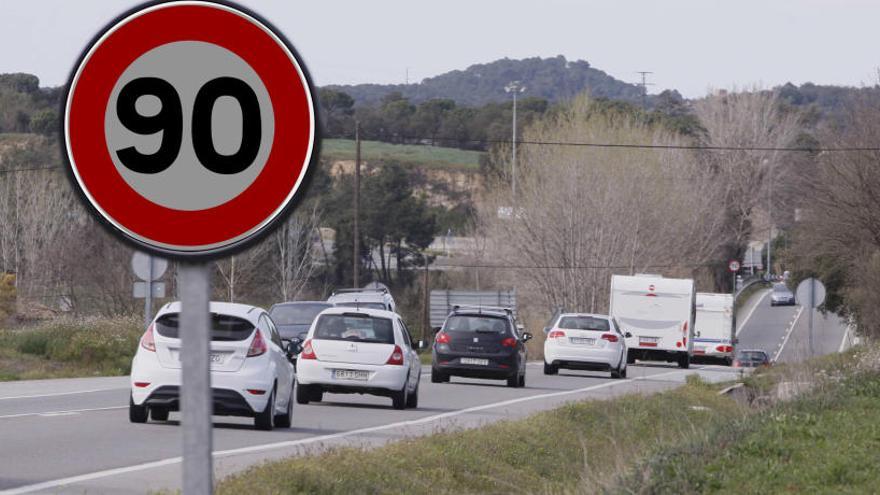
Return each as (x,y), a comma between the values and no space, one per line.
(659,313)
(714,328)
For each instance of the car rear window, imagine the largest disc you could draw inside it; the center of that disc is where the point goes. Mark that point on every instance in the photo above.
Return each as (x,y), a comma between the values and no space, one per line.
(584,323)
(355,327)
(752,356)
(473,323)
(297,314)
(365,305)
(223,327)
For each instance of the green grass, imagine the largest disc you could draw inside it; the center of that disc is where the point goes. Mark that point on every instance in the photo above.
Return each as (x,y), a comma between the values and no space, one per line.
(69,348)
(418,155)
(553,451)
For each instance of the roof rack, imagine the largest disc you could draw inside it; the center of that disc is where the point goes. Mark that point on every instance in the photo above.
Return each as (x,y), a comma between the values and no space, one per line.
(481,308)
(353,291)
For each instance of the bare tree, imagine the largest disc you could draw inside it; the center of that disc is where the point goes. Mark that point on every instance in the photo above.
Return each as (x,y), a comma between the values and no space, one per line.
(294,258)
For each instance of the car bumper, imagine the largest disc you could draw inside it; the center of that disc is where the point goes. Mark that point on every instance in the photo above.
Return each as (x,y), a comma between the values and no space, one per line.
(381,377)
(498,367)
(146,370)
(564,356)
(782,302)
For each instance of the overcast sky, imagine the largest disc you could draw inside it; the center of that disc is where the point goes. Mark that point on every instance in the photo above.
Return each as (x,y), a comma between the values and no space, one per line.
(690,45)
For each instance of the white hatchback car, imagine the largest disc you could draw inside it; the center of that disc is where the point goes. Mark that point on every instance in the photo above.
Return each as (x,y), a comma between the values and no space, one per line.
(585,342)
(364,351)
(251,372)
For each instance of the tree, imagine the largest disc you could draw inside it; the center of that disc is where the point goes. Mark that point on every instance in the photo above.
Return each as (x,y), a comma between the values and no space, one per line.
(293,252)
(337,109)
(429,116)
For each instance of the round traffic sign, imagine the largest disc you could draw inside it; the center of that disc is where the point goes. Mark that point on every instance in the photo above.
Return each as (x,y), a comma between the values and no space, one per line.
(810,289)
(190,127)
(148,268)
(733,266)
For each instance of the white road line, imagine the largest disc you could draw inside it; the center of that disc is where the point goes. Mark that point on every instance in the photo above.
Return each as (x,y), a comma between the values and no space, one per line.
(751,312)
(294,443)
(788,334)
(49,414)
(62,393)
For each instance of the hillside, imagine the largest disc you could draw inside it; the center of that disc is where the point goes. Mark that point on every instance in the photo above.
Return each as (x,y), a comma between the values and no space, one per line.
(420,156)
(553,79)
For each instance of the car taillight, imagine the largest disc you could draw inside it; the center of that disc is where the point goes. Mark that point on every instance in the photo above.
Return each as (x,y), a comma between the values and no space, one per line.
(258,345)
(308,352)
(610,337)
(724,348)
(508,342)
(556,334)
(442,338)
(396,357)
(147,341)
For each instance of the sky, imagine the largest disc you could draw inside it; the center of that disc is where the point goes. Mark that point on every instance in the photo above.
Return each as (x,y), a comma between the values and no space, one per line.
(689,45)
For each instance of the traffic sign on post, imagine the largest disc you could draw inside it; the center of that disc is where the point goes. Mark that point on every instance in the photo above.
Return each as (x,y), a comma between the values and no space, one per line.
(733,266)
(190,127)
(810,294)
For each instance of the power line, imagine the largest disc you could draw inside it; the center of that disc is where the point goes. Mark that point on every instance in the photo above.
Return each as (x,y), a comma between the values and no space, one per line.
(572,267)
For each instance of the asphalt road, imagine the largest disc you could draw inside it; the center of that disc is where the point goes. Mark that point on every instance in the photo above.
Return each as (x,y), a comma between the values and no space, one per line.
(73,436)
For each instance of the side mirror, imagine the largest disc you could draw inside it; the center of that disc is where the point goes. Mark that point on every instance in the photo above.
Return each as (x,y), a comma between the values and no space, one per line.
(293,347)
(628,335)
(527,336)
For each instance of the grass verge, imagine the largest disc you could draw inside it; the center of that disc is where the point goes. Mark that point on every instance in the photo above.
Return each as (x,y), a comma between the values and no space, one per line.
(69,348)
(420,155)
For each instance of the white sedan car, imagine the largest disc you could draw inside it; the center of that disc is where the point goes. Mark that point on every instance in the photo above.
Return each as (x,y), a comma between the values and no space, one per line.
(585,342)
(364,351)
(251,372)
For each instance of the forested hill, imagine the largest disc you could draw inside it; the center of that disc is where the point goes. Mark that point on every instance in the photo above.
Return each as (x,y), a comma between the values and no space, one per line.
(550,78)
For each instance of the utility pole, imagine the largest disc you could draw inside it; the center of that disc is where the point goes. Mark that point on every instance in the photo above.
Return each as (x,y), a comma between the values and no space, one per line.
(356,254)
(644,84)
(514,87)
(426,320)
(769,217)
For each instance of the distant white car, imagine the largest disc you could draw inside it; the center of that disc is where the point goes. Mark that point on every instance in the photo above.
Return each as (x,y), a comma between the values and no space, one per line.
(365,351)
(251,372)
(372,298)
(585,342)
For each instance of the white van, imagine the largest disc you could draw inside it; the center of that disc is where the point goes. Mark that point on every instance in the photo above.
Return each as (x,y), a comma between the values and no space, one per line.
(369,298)
(714,328)
(659,314)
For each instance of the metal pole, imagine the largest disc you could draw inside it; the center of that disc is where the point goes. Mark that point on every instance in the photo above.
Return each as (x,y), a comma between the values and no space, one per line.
(195,396)
(513,165)
(357,205)
(770,222)
(148,301)
(812,305)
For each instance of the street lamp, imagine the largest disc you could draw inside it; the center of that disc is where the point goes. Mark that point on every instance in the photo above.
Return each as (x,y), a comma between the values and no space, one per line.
(769,217)
(514,87)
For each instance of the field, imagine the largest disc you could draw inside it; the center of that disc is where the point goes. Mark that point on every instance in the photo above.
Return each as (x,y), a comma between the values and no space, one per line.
(407,154)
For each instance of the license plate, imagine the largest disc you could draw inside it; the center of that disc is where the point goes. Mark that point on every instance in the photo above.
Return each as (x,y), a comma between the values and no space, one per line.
(351,375)
(475,361)
(649,340)
(217,358)
(579,341)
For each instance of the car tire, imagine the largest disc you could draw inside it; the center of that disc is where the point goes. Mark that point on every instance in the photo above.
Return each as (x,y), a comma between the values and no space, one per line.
(399,398)
(265,420)
(438,377)
(522,380)
(549,369)
(630,358)
(684,362)
(513,382)
(303,394)
(412,401)
(136,414)
(159,414)
(286,419)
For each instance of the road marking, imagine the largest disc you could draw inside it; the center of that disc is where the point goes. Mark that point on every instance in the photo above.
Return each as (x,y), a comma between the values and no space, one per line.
(62,393)
(788,334)
(49,414)
(305,441)
(751,312)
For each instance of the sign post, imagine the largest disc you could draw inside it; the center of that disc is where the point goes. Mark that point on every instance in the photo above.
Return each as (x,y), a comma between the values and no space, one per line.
(734,267)
(190,127)
(810,294)
(149,269)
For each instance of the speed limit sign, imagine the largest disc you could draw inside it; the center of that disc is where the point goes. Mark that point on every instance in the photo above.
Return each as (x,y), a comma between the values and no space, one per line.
(733,266)
(190,127)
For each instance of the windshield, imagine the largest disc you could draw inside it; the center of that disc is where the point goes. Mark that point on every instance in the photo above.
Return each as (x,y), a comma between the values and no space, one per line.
(223,327)
(366,305)
(752,356)
(584,323)
(297,314)
(355,328)
(481,324)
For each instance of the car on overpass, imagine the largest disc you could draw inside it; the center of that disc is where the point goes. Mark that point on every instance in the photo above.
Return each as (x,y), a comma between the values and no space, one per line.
(781,295)
(583,341)
(480,342)
(251,372)
(362,351)
(751,358)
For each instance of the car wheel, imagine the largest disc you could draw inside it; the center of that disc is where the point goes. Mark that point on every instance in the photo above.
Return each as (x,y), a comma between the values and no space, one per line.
(286,419)
(303,393)
(522,380)
(630,358)
(159,414)
(549,369)
(136,414)
(265,420)
(399,398)
(684,362)
(513,381)
(412,401)
(438,377)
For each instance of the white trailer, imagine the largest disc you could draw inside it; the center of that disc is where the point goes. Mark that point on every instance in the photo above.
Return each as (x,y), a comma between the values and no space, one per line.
(714,328)
(658,313)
